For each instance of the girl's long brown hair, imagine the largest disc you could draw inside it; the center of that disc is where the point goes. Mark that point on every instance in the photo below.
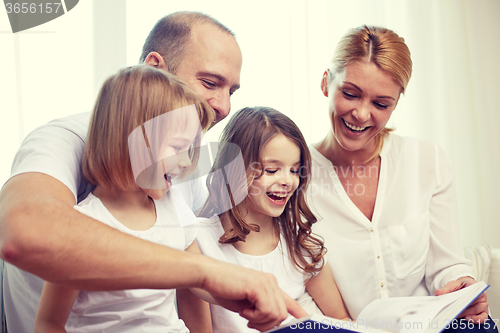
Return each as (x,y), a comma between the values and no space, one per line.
(247,132)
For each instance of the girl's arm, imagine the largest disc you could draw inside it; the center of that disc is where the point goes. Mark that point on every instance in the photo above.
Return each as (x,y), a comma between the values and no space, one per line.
(325,293)
(55,306)
(193,310)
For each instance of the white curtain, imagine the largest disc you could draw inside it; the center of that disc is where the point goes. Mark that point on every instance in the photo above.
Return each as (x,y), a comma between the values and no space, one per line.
(57,68)
(45,73)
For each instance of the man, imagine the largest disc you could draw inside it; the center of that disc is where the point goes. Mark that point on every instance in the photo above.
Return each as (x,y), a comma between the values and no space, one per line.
(42,234)
(207,58)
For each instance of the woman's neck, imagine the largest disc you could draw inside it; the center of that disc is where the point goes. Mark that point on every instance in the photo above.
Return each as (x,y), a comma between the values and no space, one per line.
(134,209)
(331,149)
(357,171)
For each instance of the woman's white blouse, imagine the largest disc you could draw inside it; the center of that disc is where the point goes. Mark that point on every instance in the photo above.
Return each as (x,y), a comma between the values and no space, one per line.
(412,245)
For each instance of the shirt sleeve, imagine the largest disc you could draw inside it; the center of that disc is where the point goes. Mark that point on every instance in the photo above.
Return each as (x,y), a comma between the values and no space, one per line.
(200,191)
(55,149)
(193,189)
(446,261)
(190,232)
(186,218)
(208,236)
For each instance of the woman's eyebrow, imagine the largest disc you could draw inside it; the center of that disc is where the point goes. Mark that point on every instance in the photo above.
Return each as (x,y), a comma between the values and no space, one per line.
(361,90)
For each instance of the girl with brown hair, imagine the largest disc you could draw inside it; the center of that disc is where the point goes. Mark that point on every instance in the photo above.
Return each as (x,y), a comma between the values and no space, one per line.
(257,212)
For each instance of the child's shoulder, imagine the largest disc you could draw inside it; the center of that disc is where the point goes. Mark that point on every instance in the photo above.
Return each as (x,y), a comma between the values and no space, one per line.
(93,207)
(173,201)
(210,230)
(210,227)
(90,204)
(212,221)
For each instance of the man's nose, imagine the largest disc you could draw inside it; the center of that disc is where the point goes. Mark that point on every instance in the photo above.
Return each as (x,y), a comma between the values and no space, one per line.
(221,104)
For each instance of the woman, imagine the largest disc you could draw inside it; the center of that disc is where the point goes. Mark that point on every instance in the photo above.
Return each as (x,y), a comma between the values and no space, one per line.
(386,204)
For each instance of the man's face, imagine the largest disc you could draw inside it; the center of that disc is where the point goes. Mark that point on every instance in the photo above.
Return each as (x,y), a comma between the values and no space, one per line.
(211,67)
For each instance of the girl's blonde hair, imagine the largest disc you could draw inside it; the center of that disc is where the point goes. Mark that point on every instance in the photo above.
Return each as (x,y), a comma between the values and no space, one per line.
(126,101)
(377,45)
(251,129)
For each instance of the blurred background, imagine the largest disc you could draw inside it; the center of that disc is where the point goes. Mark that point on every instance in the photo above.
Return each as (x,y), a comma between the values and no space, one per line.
(56,69)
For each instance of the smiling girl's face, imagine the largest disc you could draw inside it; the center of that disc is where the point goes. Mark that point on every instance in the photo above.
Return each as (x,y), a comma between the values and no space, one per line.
(170,136)
(360,105)
(281,162)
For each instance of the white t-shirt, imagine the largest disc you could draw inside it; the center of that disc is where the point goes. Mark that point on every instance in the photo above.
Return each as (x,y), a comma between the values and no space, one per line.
(277,262)
(412,245)
(55,149)
(146,310)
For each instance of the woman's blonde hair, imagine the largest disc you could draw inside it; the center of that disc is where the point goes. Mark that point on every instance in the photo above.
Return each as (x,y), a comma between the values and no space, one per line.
(126,101)
(377,45)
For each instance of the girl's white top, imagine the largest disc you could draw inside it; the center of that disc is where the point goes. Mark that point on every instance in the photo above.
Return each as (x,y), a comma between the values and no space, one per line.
(139,310)
(277,262)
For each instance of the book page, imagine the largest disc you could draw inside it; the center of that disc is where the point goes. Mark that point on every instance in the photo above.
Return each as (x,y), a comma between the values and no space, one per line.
(401,314)
(429,314)
(415,314)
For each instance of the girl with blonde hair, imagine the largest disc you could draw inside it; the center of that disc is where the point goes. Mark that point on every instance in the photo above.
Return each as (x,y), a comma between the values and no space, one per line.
(144,131)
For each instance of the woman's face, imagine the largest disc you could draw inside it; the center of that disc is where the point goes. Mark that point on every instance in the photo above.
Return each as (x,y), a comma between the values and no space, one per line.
(361,103)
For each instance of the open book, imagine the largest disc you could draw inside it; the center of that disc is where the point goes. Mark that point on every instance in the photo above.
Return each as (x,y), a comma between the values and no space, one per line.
(423,314)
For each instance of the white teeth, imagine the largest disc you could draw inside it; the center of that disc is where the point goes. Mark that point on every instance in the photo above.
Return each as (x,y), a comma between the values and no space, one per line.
(279,195)
(354,128)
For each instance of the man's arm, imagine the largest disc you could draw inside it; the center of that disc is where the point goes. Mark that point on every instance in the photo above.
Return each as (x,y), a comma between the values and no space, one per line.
(42,233)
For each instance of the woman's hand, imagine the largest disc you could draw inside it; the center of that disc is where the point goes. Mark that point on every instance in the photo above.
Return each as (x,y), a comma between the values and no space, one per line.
(478,310)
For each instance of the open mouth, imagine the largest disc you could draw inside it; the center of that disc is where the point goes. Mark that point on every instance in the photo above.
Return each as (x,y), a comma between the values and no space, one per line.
(168,177)
(279,198)
(354,128)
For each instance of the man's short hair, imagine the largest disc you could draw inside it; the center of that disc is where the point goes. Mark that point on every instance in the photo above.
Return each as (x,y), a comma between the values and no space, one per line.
(170,35)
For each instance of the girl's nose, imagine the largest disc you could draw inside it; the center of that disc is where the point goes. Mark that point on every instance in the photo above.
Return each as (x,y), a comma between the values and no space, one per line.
(184,159)
(286,178)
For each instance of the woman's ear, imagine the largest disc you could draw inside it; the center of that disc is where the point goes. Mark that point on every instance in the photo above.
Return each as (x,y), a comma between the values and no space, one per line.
(324,83)
(156,60)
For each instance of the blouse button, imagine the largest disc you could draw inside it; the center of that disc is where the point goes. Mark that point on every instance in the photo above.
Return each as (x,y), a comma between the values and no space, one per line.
(378,257)
(382,285)
(371,230)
